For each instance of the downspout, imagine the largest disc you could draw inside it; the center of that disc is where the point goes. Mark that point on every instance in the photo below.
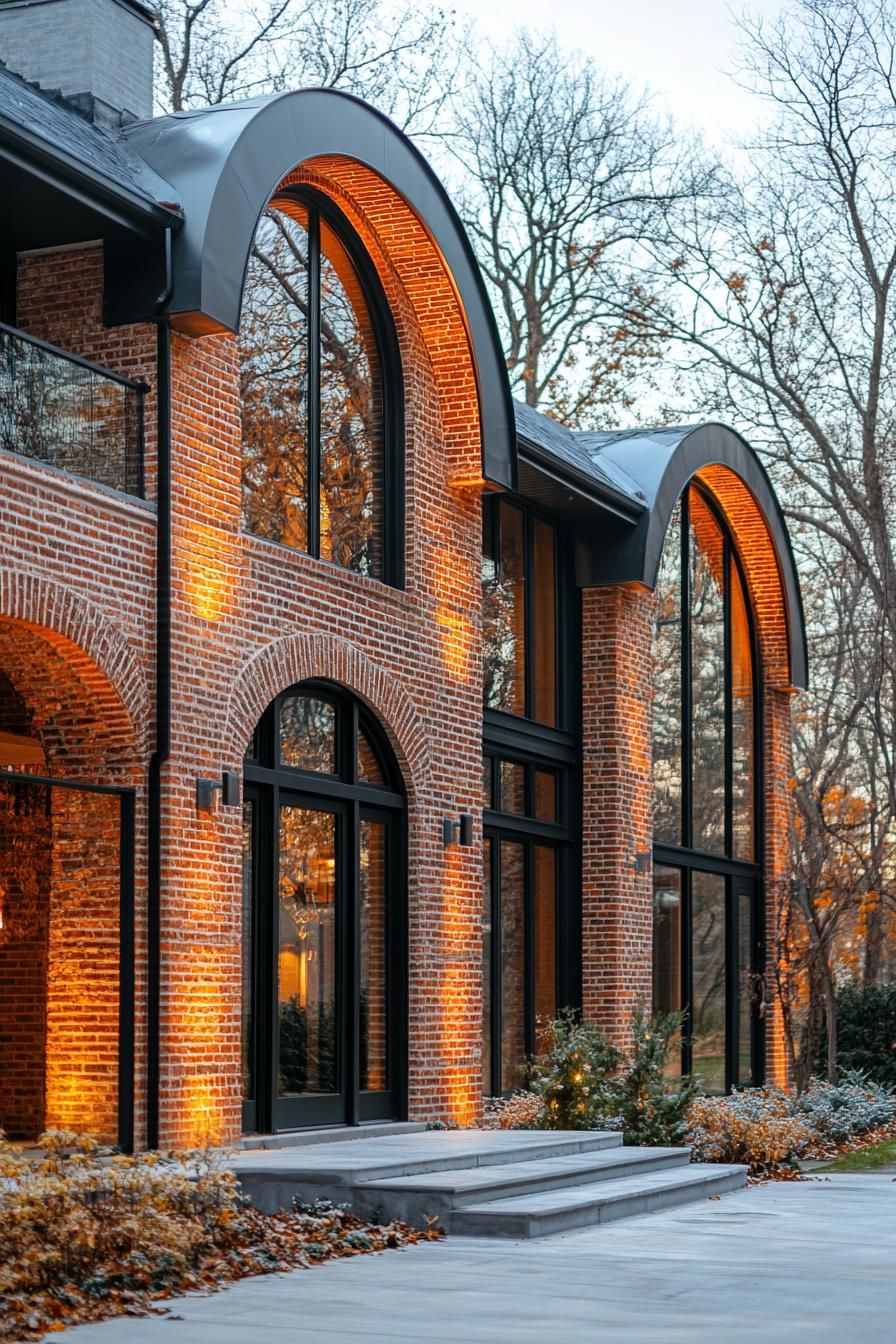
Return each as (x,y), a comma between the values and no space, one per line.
(163,699)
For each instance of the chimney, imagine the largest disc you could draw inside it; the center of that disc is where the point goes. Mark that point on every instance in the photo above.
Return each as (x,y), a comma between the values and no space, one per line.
(97,53)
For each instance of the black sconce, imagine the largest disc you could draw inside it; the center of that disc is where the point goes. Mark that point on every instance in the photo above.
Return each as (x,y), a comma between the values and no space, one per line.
(458,832)
(642,861)
(229,784)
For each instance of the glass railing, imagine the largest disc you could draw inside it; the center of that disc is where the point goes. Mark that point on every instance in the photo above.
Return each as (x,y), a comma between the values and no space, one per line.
(69,413)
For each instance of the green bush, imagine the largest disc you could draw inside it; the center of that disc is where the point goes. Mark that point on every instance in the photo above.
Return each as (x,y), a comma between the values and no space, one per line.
(586,1083)
(866,1032)
(652,1108)
(572,1073)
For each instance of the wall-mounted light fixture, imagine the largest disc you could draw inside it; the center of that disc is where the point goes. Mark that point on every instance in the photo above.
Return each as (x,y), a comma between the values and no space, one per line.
(642,861)
(459,832)
(229,784)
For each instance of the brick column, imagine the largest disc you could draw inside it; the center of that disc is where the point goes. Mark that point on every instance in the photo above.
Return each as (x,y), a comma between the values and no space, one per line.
(778,773)
(617,684)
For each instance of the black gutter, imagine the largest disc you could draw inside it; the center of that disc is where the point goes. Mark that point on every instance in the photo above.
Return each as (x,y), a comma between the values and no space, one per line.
(163,704)
(589,488)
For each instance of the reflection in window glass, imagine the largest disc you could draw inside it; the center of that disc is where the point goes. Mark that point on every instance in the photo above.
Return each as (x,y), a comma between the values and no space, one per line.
(248,958)
(708,979)
(487,782)
(742,721)
(745,989)
(667,691)
(351,407)
(369,770)
(306,958)
(667,915)
(373,1043)
(513,966)
(545,795)
(545,940)
(308,733)
(707,567)
(544,634)
(299,422)
(274,332)
(513,787)
(503,615)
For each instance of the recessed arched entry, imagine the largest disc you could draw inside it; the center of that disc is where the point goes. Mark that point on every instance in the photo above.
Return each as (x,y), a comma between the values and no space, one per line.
(324,916)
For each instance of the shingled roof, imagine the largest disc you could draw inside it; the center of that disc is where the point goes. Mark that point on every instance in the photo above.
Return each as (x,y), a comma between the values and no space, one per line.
(51,127)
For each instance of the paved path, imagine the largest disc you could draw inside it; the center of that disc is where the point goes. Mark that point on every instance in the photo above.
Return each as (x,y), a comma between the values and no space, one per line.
(778,1264)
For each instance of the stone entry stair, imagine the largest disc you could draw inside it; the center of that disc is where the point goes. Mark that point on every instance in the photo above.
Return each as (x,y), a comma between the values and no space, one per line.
(493,1183)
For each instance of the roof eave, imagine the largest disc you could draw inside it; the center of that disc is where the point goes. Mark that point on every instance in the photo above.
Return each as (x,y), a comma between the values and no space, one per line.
(123,206)
(595,492)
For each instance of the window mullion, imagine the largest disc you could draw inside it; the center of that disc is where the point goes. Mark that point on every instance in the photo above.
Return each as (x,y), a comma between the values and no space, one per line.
(728,701)
(686,682)
(314,356)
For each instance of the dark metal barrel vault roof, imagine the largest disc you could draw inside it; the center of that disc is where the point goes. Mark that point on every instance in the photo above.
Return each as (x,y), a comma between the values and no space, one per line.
(225,162)
(662,461)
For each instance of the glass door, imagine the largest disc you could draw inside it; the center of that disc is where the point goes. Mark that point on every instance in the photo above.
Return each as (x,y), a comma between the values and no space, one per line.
(323,920)
(309,935)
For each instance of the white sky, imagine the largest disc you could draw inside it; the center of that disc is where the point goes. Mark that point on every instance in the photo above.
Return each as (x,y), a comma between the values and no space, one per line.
(679,48)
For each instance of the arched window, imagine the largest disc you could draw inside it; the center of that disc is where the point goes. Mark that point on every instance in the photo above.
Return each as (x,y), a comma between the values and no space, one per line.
(707,911)
(320,388)
(323,915)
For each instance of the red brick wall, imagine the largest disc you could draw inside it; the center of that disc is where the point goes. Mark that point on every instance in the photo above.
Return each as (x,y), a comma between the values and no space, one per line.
(250,618)
(25,837)
(617,903)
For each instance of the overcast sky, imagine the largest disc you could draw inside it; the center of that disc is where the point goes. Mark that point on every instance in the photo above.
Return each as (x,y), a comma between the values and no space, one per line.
(678,47)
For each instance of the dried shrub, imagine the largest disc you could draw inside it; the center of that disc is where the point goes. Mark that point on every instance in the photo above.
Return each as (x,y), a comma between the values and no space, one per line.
(757,1127)
(521,1110)
(87,1233)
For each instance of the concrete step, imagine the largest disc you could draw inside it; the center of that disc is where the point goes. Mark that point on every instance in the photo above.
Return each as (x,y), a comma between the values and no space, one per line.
(413,1198)
(567,1210)
(272,1179)
(302,1138)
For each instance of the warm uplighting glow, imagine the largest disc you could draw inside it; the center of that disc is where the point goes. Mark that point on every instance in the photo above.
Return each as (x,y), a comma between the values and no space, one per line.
(207,581)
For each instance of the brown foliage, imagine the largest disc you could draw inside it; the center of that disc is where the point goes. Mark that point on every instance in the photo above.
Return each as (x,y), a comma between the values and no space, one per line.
(88,1234)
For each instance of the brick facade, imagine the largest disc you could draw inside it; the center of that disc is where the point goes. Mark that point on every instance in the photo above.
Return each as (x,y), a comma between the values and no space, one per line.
(250,618)
(617,796)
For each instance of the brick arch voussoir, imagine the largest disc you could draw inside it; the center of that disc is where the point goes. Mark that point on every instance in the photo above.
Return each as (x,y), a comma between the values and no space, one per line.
(296,658)
(757,553)
(69,622)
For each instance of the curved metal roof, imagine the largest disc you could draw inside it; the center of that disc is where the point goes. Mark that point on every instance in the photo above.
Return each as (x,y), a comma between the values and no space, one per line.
(661,462)
(225,163)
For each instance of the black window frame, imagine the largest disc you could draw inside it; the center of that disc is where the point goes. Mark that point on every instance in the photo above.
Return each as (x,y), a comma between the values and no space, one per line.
(525,740)
(741,876)
(266,781)
(564,591)
(319,206)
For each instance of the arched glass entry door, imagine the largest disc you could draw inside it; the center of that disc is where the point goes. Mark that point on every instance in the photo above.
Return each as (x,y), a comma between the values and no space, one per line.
(323,916)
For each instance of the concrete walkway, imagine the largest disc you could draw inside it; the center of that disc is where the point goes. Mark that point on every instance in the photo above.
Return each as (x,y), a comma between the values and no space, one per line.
(771,1265)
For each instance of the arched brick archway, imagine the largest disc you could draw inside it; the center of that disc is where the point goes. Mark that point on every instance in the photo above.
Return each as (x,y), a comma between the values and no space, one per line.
(72,684)
(86,643)
(296,658)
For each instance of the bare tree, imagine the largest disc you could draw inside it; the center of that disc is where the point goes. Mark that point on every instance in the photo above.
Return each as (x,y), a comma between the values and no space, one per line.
(560,167)
(779,301)
(394,55)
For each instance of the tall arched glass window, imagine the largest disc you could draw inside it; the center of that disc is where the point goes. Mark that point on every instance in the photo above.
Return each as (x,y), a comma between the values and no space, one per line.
(320,387)
(707,908)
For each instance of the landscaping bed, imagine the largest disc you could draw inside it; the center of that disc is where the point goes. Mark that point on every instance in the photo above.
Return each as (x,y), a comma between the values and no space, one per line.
(87,1233)
(581,1082)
